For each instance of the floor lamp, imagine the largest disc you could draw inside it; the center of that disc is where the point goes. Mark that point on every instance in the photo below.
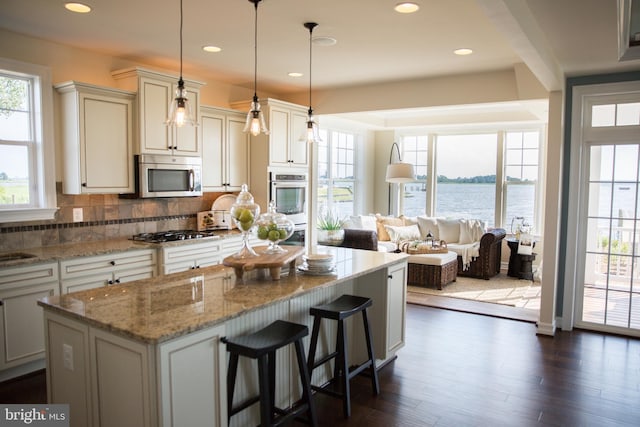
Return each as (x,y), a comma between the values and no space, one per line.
(398,173)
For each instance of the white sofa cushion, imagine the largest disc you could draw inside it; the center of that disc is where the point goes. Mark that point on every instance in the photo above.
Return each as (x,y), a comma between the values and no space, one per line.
(381,221)
(386,246)
(361,222)
(405,232)
(428,224)
(432,259)
(449,230)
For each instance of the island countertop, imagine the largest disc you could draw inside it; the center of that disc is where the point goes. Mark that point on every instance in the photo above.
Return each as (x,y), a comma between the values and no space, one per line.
(165,307)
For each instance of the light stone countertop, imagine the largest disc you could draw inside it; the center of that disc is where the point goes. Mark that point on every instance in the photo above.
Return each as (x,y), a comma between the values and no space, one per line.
(100,247)
(165,307)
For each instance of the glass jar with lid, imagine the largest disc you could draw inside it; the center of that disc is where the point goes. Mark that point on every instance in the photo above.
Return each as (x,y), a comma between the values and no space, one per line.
(274,227)
(245,213)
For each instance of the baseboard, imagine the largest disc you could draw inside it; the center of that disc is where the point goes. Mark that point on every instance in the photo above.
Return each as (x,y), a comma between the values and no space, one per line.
(546,328)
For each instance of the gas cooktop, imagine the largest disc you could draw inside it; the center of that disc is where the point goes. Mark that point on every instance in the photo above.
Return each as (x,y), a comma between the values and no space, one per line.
(171,236)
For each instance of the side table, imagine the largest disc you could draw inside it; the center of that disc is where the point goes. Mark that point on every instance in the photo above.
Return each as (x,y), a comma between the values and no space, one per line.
(520,265)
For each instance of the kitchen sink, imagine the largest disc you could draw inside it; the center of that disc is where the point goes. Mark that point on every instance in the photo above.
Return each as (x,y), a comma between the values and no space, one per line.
(15,256)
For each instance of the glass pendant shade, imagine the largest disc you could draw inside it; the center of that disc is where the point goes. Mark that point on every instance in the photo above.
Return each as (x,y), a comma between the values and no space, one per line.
(255,120)
(312,132)
(180,112)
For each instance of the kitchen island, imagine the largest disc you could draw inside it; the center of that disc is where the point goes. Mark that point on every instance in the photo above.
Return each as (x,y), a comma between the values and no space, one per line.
(148,353)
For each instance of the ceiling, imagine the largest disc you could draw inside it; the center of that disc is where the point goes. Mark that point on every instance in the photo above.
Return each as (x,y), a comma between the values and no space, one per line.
(374,43)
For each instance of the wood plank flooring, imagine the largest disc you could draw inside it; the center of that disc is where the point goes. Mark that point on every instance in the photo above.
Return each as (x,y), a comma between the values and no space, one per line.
(461,369)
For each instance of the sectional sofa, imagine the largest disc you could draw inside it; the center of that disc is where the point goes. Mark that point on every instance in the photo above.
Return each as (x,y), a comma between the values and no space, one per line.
(479,250)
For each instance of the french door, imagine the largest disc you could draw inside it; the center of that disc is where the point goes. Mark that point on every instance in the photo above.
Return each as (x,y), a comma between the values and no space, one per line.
(607,214)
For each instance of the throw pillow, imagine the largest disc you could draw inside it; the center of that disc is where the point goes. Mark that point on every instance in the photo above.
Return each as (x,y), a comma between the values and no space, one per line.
(368,222)
(386,220)
(399,233)
(428,224)
(449,230)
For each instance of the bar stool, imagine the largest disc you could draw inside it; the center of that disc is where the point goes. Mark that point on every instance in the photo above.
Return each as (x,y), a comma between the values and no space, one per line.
(341,309)
(262,345)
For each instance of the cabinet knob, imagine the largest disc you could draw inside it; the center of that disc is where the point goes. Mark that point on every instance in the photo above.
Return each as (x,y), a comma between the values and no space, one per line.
(117,280)
(390,276)
(112,262)
(84,184)
(197,266)
(110,282)
(1,302)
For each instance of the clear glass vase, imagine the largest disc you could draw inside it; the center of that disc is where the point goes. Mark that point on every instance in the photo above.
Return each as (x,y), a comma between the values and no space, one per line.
(274,227)
(245,213)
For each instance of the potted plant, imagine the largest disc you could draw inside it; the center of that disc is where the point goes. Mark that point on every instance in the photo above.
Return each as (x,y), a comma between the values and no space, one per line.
(330,231)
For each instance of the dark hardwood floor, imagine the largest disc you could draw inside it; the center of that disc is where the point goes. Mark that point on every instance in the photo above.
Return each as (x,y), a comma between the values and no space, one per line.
(460,369)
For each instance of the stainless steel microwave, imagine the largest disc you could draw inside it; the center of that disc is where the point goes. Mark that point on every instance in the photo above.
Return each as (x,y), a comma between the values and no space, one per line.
(168,176)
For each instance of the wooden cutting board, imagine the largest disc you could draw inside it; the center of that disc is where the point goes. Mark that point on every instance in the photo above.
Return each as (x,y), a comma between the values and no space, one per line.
(274,262)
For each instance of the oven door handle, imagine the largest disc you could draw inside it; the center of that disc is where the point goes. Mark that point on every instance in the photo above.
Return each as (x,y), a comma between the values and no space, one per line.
(192,180)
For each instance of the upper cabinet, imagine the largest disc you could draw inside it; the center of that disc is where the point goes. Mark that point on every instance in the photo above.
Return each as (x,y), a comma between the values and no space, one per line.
(155,93)
(225,149)
(97,139)
(287,123)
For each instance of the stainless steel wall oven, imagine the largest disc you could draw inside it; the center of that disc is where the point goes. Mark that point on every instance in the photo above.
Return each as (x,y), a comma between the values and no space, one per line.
(290,192)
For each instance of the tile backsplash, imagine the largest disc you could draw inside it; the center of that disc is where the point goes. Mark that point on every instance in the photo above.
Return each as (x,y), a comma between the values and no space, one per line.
(104,217)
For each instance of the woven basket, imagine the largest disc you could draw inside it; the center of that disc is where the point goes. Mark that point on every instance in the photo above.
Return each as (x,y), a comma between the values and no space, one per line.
(413,248)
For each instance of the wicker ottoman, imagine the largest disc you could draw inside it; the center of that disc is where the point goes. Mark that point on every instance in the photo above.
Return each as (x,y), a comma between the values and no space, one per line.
(433,269)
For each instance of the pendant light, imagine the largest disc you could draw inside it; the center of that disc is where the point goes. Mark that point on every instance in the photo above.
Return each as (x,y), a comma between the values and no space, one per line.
(255,119)
(311,134)
(180,112)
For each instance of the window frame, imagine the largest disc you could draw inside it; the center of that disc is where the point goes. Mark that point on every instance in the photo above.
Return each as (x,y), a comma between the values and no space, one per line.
(327,136)
(42,155)
(500,207)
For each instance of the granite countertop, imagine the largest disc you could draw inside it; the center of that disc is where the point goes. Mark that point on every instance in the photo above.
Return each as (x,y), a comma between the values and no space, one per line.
(100,247)
(165,307)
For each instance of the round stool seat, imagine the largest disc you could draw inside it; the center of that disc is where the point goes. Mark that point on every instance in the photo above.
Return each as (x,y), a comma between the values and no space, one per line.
(341,308)
(270,338)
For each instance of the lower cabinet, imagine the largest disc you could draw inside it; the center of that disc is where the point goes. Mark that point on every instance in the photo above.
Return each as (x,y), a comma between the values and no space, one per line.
(113,381)
(90,272)
(21,326)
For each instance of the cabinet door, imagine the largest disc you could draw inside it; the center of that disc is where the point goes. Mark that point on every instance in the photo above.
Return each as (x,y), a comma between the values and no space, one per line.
(107,165)
(237,157)
(193,380)
(396,307)
(298,150)
(185,138)
(155,136)
(212,126)
(279,137)
(21,324)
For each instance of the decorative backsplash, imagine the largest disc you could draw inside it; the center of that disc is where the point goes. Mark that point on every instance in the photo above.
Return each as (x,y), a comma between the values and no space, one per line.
(104,217)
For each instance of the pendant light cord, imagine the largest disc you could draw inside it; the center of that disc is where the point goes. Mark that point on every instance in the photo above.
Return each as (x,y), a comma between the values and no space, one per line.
(181,19)
(310,67)
(255,51)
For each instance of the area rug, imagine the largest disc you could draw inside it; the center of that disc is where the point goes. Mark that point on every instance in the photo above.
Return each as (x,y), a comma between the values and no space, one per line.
(500,289)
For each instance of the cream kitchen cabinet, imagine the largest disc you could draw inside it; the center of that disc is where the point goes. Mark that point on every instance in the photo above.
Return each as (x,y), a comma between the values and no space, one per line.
(90,272)
(21,325)
(287,123)
(155,93)
(97,139)
(225,149)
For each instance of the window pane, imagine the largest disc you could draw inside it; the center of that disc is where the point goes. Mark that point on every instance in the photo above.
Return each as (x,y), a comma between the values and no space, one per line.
(14,175)
(415,151)
(466,170)
(521,176)
(626,166)
(603,115)
(519,202)
(14,109)
(628,114)
(601,167)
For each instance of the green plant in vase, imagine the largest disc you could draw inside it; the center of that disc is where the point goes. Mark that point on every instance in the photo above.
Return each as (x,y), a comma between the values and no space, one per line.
(330,231)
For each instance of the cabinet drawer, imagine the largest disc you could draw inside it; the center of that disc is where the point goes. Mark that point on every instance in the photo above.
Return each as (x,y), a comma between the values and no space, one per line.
(93,265)
(190,252)
(25,275)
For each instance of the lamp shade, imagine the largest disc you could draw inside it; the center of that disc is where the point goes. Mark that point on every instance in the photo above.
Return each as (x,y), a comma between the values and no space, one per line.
(400,173)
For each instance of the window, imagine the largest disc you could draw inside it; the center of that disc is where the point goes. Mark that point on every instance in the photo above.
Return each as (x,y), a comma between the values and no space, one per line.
(27,181)
(416,152)
(336,177)
(621,114)
(471,179)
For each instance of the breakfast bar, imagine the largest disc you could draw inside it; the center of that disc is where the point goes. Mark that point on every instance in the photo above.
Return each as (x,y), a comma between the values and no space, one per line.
(148,353)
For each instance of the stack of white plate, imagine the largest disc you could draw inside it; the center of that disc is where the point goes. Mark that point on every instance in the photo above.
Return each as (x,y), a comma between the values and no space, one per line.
(317,264)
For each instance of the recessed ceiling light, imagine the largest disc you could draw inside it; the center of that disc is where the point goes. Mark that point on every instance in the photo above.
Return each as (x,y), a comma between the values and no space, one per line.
(78,7)
(211,49)
(406,7)
(463,51)
(295,74)
(324,41)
